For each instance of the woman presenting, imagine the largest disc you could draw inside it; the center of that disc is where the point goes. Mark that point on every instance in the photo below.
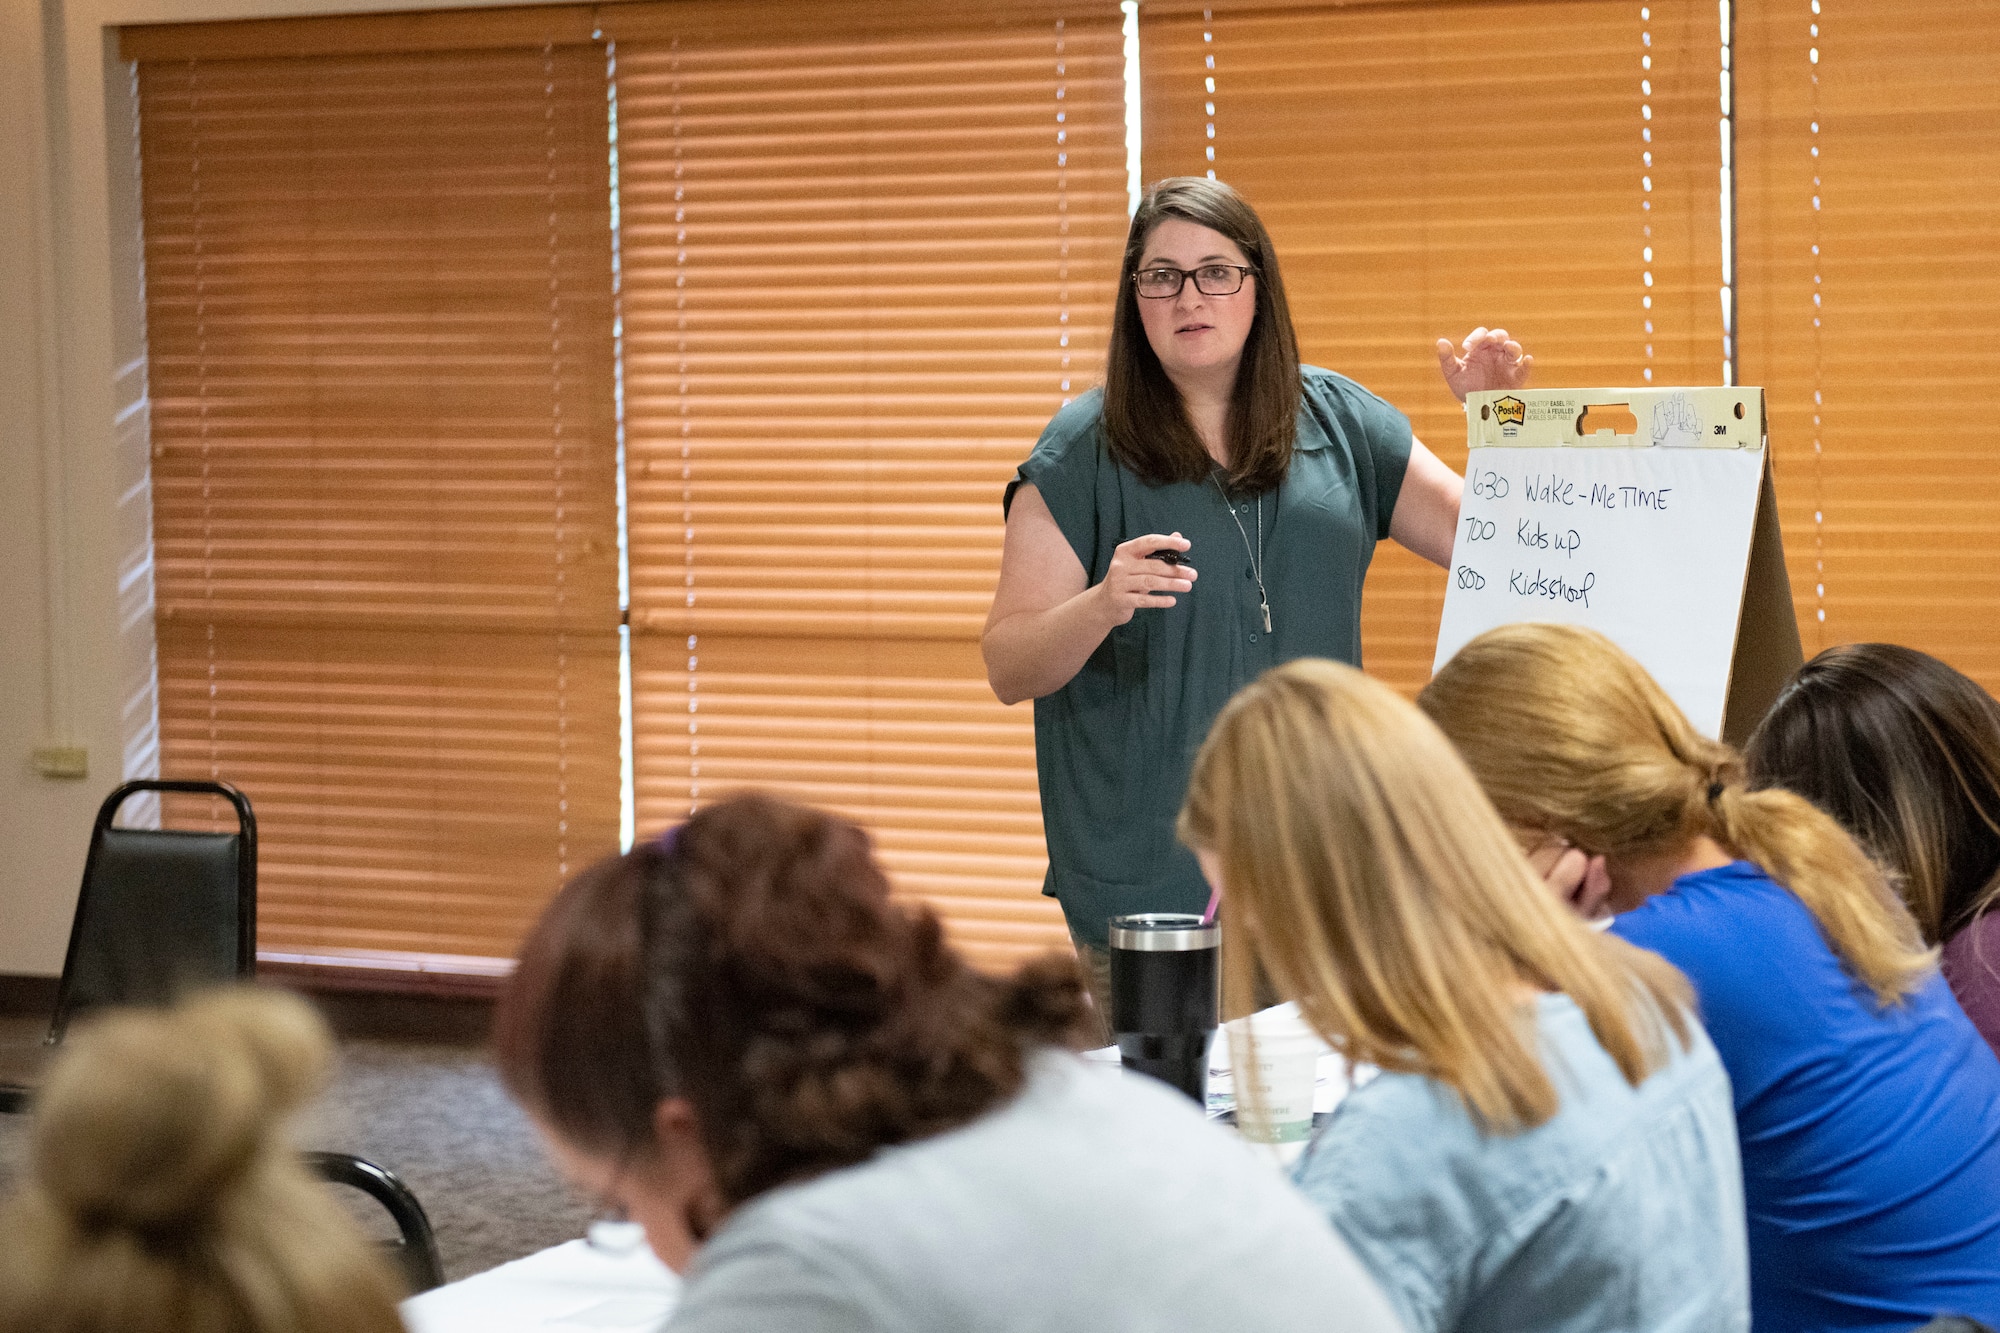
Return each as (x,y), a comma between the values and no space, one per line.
(1209,447)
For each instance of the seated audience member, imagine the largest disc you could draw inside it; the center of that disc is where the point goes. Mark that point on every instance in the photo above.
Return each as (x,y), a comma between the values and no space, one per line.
(161,1197)
(1550,1144)
(1905,753)
(828,1121)
(1867,1106)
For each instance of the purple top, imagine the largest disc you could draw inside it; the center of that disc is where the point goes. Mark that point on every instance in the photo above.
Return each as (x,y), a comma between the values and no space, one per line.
(1972,966)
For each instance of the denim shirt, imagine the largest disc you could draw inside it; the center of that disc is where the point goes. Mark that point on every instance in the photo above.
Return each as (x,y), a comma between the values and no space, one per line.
(1622,1212)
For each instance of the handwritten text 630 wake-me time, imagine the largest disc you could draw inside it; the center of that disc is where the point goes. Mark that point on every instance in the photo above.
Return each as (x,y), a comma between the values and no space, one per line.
(1554,490)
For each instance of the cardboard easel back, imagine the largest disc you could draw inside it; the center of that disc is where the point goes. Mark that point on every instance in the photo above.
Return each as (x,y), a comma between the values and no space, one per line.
(1664,537)
(1768,649)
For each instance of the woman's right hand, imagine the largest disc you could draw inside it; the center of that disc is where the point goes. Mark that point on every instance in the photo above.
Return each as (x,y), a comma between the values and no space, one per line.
(1136,582)
(1574,876)
(1047,617)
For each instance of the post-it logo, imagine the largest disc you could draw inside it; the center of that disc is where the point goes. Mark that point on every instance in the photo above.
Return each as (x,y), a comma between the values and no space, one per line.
(1510,411)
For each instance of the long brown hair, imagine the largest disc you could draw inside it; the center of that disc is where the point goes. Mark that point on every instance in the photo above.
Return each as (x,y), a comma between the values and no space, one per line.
(1905,752)
(161,1192)
(1570,736)
(754,964)
(1363,870)
(1146,425)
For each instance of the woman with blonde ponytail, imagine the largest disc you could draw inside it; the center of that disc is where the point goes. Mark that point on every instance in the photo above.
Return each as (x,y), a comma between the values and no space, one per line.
(161,1196)
(1550,1146)
(1867,1106)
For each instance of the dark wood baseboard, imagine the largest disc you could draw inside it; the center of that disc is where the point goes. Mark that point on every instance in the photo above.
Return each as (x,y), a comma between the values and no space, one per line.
(357,1002)
(447,1020)
(396,1004)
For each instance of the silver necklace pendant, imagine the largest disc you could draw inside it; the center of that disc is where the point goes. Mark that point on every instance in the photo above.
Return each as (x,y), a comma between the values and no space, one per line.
(1256,554)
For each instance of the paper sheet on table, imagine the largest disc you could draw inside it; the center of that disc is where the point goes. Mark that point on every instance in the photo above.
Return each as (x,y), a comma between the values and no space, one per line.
(570,1286)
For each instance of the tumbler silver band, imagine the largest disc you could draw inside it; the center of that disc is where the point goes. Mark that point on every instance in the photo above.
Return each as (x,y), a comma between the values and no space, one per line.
(1163,932)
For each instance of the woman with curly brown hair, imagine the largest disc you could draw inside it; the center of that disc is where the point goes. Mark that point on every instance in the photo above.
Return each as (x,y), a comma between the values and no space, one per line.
(827,1121)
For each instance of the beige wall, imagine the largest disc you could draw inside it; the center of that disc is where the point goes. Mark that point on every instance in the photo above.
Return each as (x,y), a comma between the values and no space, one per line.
(76,644)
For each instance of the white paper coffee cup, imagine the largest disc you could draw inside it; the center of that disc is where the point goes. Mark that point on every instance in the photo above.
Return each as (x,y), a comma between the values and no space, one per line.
(1275,1058)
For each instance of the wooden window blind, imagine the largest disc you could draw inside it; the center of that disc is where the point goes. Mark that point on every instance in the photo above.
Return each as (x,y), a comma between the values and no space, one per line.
(380,330)
(1550,166)
(1869,243)
(866,254)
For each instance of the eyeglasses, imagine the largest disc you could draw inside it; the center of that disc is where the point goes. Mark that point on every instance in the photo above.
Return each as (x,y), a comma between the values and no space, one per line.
(1158,284)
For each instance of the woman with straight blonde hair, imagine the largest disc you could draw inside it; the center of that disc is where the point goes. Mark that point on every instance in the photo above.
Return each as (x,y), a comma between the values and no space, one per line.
(1549,1146)
(1867,1106)
(161,1196)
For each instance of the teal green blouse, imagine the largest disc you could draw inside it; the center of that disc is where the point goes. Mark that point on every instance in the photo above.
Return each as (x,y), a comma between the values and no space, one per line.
(1114,746)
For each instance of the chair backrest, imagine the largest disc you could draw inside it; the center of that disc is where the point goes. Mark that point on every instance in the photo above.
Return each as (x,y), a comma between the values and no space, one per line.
(160,911)
(416,1252)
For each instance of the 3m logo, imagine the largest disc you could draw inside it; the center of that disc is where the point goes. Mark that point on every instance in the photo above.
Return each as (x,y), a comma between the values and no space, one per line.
(1510,412)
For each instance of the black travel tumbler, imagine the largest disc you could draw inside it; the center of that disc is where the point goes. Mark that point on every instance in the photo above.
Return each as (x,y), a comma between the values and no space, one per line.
(1165,995)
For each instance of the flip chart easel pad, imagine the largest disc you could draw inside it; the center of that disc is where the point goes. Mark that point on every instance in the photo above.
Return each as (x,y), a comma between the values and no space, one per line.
(1647,545)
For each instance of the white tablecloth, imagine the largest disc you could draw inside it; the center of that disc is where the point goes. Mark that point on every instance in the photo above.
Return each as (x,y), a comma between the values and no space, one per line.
(571,1286)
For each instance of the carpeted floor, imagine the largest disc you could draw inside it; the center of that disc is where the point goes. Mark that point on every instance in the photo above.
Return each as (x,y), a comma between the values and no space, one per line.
(429,1109)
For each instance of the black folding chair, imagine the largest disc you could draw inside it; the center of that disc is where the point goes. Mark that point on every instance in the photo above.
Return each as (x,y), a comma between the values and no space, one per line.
(415,1253)
(161,911)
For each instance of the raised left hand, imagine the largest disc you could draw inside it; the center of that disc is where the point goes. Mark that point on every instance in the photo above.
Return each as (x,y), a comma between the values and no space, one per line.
(1489,359)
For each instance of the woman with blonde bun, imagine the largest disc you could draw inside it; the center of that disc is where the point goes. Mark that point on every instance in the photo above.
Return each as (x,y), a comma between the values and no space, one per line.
(1867,1106)
(160,1195)
(1549,1148)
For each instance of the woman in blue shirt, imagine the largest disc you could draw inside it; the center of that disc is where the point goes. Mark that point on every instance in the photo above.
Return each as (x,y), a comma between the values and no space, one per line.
(1211,446)
(1867,1106)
